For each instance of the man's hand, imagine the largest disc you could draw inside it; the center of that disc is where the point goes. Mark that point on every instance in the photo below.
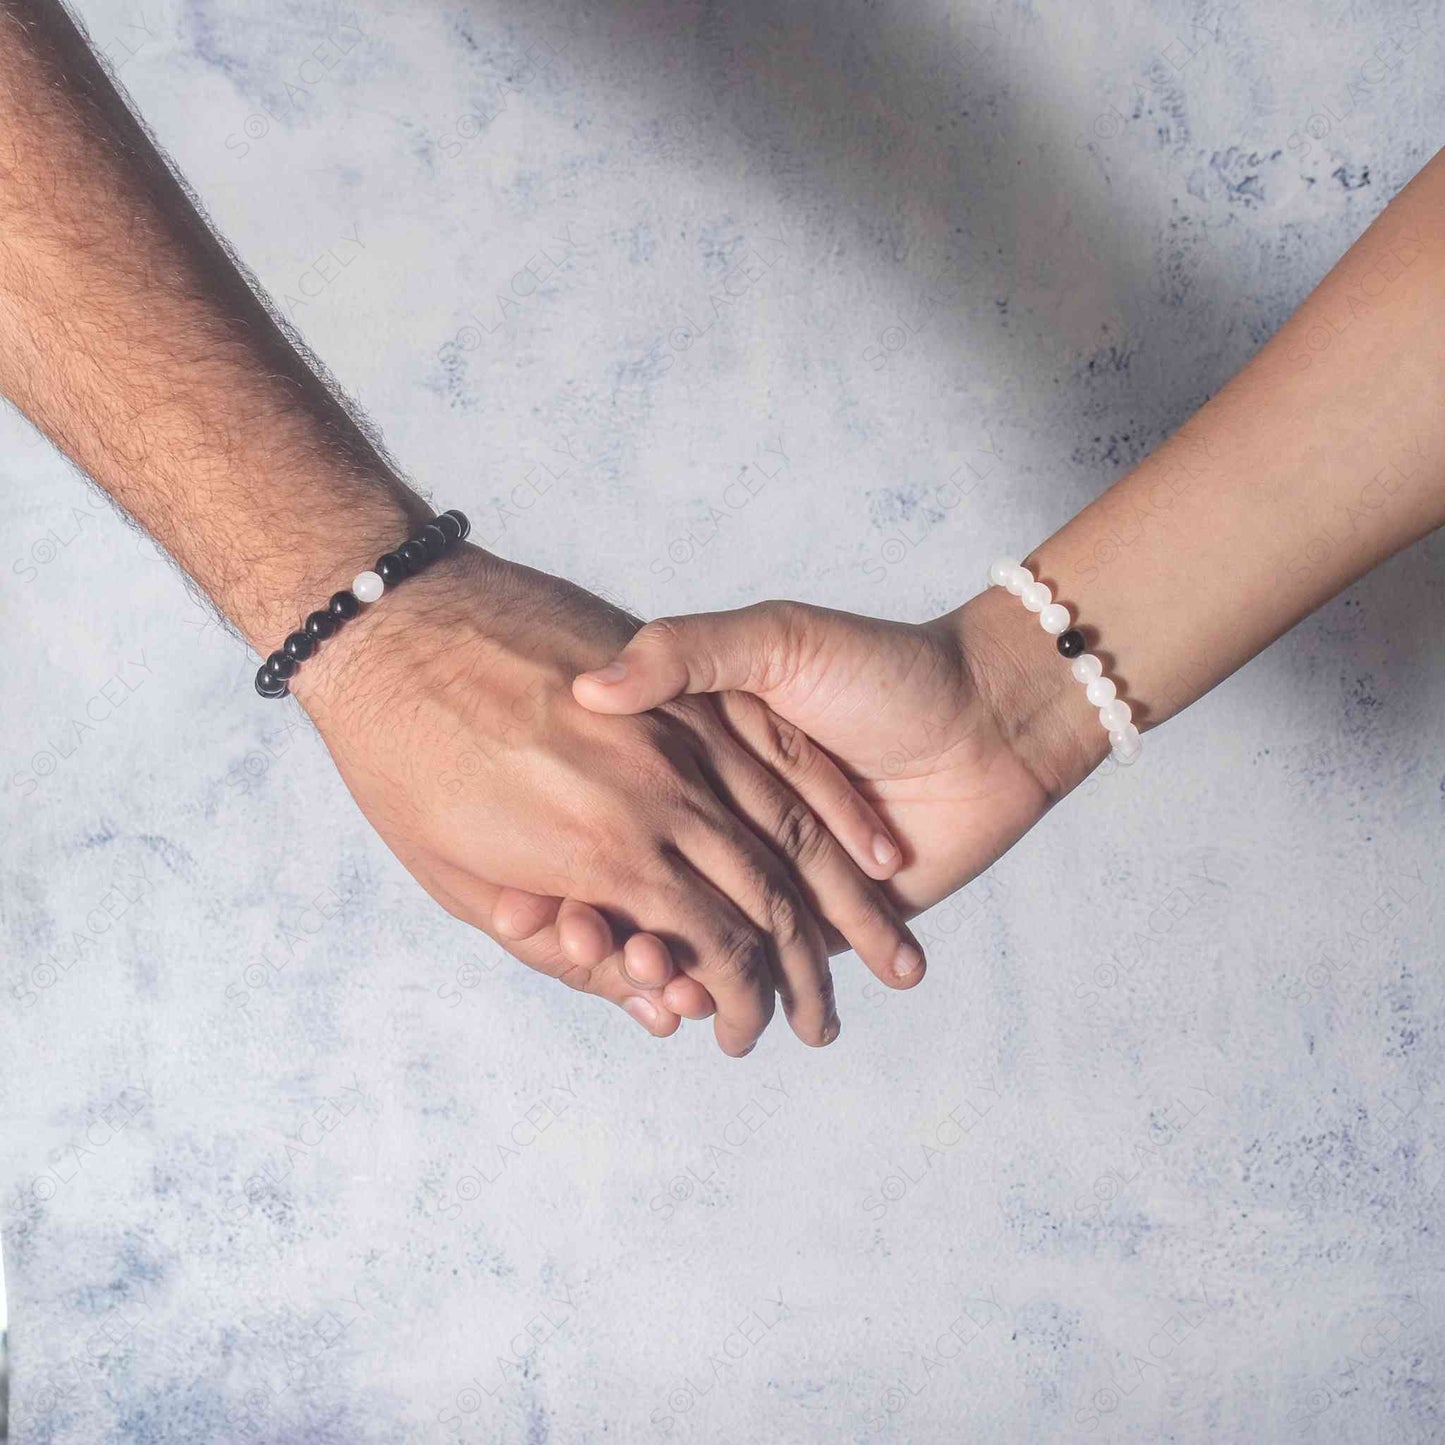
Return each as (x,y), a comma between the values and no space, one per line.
(947,728)
(448,712)
(129,336)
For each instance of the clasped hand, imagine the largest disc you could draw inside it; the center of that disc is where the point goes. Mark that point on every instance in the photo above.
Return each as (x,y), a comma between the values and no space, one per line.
(773,784)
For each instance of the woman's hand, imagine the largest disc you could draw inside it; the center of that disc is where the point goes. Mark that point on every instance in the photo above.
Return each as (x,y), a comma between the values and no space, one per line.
(573,942)
(449,714)
(959,731)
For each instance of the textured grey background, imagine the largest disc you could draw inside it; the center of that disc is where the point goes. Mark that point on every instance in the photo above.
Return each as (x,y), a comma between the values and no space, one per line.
(288,1155)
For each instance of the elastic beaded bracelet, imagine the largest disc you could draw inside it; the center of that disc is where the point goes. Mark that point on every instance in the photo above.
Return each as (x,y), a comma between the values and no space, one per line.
(413,556)
(1114,713)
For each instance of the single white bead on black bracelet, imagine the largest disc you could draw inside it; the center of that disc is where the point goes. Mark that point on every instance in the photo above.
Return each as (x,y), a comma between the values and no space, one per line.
(1114,714)
(368,586)
(413,556)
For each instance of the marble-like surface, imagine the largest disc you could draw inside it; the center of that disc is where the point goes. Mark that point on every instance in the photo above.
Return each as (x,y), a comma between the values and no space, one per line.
(289,1156)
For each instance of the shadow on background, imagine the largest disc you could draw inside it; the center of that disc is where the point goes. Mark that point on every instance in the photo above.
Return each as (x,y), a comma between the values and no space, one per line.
(947,148)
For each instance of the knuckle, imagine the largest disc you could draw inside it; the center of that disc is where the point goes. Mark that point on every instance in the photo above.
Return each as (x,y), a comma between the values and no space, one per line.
(790,744)
(651,757)
(871,912)
(662,632)
(778,610)
(581,977)
(793,640)
(739,955)
(801,836)
(785,917)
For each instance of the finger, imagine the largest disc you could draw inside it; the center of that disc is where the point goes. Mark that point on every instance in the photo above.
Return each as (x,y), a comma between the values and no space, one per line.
(834,888)
(646,961)
(793,756)
(519,914)
(584,935)
(686,996)
(656,1018)
(753,650)
(745,868)
(750,650)
(502,913)
(715,944)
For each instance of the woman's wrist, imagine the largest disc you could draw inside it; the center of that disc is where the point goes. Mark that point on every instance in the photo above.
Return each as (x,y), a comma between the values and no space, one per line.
(1040,710)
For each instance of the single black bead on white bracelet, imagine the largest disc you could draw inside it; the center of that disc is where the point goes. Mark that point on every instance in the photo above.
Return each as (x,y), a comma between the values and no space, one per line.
(413,556)
(1070,643)
(1114,712)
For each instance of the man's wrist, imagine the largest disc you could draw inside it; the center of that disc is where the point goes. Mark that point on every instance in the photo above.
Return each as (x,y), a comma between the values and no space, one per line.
(428,616)
(1041,711)
(268,584)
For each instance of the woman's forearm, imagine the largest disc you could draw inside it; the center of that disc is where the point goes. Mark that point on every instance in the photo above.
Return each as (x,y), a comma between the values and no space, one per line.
(1322,457)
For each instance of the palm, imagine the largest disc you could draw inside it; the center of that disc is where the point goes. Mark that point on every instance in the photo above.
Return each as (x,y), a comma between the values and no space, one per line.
(896,706)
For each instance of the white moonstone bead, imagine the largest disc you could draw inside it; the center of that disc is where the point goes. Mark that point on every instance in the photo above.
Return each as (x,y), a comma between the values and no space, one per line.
(1086,667)
(1126,759)
(1054,619)
(1100,691)
(1036,596)
(1125,746)
(1001,570)
(367,586)
(1018,579)
(1126,739)
(1115,715)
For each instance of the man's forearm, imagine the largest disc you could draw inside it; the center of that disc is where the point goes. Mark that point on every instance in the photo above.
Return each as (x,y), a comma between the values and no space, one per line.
(131,338)
(1322,457)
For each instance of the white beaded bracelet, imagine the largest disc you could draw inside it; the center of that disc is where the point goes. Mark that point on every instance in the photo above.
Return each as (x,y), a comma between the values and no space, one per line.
(1114,713)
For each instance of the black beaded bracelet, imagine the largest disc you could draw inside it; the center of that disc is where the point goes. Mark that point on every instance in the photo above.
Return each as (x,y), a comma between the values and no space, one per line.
(413,556)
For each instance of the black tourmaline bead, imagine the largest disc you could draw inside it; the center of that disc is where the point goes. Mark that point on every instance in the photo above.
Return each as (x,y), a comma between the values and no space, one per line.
(279,665)
(461,520)
(1071,643)
(413,554)
(299,646)
(320,625)
(433,541)
(449,525)
(343,607)
(391,569)
(268,684)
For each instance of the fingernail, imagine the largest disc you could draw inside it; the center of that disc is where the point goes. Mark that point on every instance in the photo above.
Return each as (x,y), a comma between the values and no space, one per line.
(907,961)
(615,671)
(884,850)
(641,1010)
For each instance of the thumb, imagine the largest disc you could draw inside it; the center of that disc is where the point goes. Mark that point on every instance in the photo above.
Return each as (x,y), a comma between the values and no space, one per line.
(742,651)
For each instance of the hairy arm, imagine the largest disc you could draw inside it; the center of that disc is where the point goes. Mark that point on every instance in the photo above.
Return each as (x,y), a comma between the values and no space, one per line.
(131,337)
